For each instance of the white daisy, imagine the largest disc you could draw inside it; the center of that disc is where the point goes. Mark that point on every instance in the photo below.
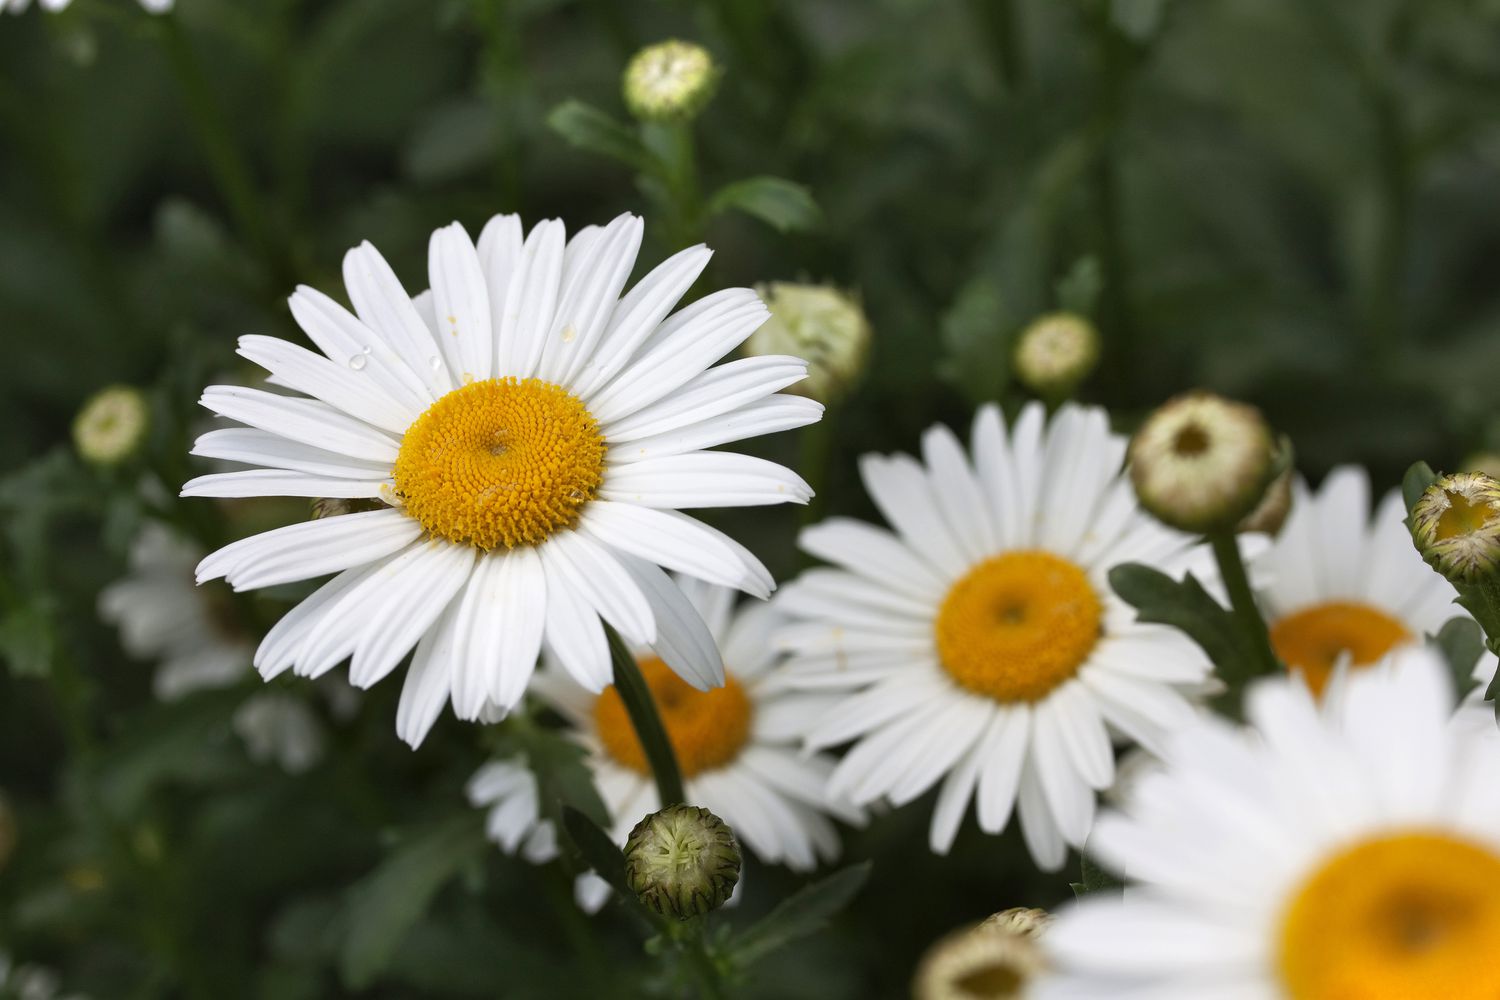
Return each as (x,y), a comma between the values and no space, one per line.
(737,747)
(163,615)
(1339,583)
(16,6)
(534,434)
(1347,850)
(279,728)
(981,640)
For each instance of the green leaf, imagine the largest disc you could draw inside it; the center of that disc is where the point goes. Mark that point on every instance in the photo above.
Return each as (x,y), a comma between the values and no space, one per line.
(1462,644)
(602,853)
(1185,605)
(802,913)
(1095,878)
(588,128)
(383,906)
(1418,477)
(781,204)
(28,639)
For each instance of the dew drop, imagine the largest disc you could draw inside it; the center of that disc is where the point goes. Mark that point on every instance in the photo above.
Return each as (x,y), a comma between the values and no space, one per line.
(435,363)
(358,361)
(368,349)
(569,334)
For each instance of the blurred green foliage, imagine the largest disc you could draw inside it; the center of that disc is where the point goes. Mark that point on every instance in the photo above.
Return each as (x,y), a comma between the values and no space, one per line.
(1288,201)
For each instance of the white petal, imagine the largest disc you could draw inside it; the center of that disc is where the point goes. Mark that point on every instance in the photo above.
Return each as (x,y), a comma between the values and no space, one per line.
(305,420)
(578,562)
(592,280)
(703,479)
(574,634)
(462,303)
(310,548)
(530,301)
(522,611)
(262,448)
(683,640)
(427,681)
(344,339)
(383,306)
(716,391)
(875,554)
(674,541)
(766,416)
(901,491)
(276,483)
(341,385)
(958,493)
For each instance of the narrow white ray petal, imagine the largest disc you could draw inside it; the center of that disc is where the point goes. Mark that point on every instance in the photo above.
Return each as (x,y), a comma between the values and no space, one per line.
(256,447)
(462,303)
(765,416)
(594,275)
(427,682)
(304,420)
(638,314)
(957,731)
(1000,776)
(341,385)
(901,491)
(383,305)
(590,571)
(278,650)
(344,340)
(436,579)
(874,554)
(522,612)
(674,541)
(716,391)
(574,634)
(1038,829)
(530,301)
(277,483)
(309,549)
(683,640)
(958,788)
(703,479)
(958,494)
(1083,733)
(499,246)
(478,620)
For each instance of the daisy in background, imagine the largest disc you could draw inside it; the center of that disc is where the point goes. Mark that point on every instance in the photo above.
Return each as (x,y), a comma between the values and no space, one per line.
(979,643)
(194,634)
(531,434)
(16,6)
(1348,849)
(738,747)
(1339,583)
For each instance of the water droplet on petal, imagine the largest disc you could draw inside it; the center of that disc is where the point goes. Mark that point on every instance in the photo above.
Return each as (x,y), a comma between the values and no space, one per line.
(368,349)
(435,363)
(569,334)
(358,361)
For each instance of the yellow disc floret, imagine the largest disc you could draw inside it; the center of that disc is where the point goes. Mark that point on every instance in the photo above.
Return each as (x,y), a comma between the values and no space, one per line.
(1018,625)
(500,463)
(1314,638)
(707,729)
(1396,917)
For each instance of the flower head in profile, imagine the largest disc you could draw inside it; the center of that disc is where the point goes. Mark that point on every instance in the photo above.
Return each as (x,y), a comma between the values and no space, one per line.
(112,425)
(1343,849)
(1342,586)
(1456,524)
(996,959)
(821,324)
(737,747)
(532,430)
(979,643)
(670,81)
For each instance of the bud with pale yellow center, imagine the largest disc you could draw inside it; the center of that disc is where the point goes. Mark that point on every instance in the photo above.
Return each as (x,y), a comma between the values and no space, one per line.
(112,425)
(1202,463)
(993,960)
(670,81)
(682,861)
(1055,353)
(823,326)
(1456,524)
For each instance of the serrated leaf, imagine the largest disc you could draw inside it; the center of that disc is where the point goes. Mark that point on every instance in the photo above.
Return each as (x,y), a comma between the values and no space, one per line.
(588,128)
(1186,606)
(804,912)
(383,906)
(781,204)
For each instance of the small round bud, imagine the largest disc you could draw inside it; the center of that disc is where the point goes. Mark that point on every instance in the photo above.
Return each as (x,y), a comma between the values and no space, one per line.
(1055,353)
(1202,462)
(823,326)
(993,960)
(682,861)
(670,81)
(1274,508)
(1456,524)
(112,425)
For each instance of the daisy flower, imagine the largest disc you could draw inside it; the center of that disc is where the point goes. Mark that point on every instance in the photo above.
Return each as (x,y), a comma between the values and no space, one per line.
(1338,583)
(531,435)
(737,746)
(1348,849)
(980,640)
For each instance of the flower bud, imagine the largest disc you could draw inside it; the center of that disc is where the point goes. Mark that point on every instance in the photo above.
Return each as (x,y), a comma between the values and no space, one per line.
(670,81)
(1274,508)
(1055,353)
(112,425)
(823,326)
(995,959)
(682,861)
(1456,524)
(1201,462)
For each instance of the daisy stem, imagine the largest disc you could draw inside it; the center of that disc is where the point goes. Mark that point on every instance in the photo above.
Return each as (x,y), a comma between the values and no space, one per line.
(1242,600)
(647,723)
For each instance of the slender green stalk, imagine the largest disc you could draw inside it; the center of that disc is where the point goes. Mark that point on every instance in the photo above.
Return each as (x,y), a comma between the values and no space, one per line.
(647,722)
(1242,600)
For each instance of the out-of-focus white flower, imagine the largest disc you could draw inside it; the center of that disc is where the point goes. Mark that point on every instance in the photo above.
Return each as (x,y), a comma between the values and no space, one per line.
(825,327)
(280,728)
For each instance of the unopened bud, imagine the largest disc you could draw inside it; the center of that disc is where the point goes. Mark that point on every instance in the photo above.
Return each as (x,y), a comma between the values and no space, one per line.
(1456,525)
(1274,508)
(996,959)
(1055,353)
(682,861)
(670,81)
(1201,462)
(112,425)
(823,326)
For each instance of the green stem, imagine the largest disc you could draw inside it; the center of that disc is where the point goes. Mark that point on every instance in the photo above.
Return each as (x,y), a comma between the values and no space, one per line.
(647,722)
(999,22)
(1242,600)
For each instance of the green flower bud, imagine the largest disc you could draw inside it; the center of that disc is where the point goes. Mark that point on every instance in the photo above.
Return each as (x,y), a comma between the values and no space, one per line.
(112,425)
(1055,353)
(821,325)
(1456,524)
(993,960)
(682,861)
(670,81)
(1202,463)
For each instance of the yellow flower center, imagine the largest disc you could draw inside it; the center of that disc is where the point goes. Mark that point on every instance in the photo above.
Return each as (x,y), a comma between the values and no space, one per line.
(1395,918)
(500,462)
(1463,517)
(1314,638)
(707,729)
(1018,625)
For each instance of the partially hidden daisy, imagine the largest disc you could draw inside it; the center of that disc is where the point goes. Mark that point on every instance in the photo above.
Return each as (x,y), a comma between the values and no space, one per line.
(738,747)
(531,434)
(980,643)
(1343,849)
(1339,584)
